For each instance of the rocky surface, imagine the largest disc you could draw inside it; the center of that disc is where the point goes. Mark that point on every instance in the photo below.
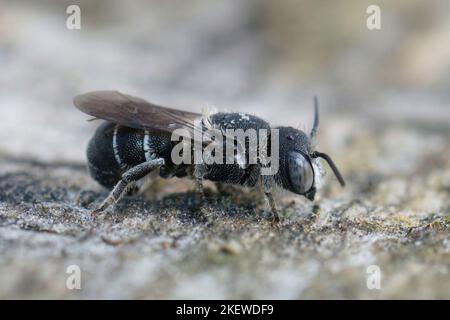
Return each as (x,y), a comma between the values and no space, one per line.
(161,245)
(388,135)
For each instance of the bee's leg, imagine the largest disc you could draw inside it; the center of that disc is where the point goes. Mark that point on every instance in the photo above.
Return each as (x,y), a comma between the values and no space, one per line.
(128,178)
(199,172)
(132,189)
(273,207)
(199,187)
(267,182)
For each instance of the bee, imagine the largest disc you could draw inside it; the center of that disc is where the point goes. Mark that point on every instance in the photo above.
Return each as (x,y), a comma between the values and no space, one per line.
(137,138)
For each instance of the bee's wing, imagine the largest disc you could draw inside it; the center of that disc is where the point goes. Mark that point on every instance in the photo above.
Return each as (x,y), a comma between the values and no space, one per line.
(137,113)
(134,112)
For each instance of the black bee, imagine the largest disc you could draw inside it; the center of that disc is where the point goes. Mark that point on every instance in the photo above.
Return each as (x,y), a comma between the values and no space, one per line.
(137,139)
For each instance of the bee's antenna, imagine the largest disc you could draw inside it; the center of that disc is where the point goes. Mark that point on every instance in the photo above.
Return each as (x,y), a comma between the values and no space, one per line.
(316,119)
(330,162)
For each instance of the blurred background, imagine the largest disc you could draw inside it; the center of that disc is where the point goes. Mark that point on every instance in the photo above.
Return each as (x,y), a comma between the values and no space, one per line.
(384,104)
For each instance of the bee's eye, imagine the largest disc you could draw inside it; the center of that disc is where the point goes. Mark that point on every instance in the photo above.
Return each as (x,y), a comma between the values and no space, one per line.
(301,172)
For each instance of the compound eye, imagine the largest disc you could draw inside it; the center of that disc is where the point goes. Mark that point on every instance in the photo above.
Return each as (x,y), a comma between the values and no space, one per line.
(301,172)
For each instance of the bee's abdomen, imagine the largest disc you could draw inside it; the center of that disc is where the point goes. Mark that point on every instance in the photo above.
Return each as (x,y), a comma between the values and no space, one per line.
(102,163)
(112,150)
(128,146)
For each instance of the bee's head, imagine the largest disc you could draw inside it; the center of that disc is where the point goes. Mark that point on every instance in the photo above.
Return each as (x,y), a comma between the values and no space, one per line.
(300,169)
